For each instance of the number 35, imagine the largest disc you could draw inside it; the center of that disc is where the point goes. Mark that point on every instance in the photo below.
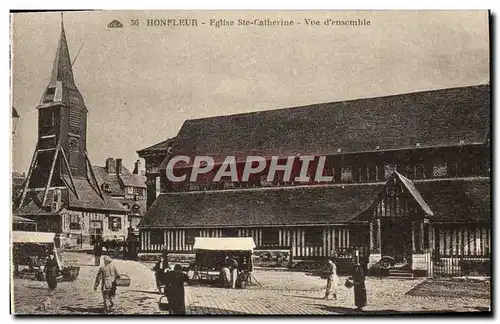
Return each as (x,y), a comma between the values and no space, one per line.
(134,22)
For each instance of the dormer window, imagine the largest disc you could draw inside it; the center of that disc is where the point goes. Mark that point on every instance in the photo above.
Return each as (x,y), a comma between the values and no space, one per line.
(105,187)
(136,209)
(126,205)
(49,95)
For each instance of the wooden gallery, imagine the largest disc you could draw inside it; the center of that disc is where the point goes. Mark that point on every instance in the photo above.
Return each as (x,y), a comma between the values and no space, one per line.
(411,181)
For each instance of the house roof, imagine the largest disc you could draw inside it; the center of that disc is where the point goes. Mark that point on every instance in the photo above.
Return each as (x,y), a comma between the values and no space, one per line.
(17,219)
(434,118)
(116,182)
(88,198)
(450,200)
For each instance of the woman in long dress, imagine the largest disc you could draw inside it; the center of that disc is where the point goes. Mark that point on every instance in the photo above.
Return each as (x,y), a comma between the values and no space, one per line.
(332,280)
(358,278)
(51,271)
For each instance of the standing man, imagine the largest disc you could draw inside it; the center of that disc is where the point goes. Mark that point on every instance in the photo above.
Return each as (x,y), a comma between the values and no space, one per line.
(174,290)
(97,252)
(159,270)
(106,277)
(358,278)
(233,267)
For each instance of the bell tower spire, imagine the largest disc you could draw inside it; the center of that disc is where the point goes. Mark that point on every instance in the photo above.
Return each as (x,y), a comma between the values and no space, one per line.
(61,153)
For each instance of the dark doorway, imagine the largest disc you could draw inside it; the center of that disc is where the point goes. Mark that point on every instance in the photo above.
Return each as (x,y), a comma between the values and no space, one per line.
(396,239)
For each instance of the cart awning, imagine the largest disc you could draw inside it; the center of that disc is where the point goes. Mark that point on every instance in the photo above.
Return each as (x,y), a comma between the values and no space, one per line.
(22,220)
(224,244)
(32,237)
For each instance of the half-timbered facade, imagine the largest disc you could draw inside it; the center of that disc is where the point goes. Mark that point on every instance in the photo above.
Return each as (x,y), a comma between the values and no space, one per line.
(411,179)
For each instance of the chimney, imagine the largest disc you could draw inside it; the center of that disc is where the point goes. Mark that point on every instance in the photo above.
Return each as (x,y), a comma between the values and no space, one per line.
(118,166)
(110,165)
(137,166)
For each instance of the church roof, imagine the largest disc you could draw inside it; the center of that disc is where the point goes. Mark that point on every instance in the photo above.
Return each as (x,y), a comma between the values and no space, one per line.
(445,117)
(451,200)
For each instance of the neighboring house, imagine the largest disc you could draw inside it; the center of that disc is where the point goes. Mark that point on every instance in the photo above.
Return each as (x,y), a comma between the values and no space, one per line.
(411,180)
(127,188)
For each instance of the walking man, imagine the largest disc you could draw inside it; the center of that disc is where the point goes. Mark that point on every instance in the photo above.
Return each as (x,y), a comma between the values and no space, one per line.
(106,277)
(97,252)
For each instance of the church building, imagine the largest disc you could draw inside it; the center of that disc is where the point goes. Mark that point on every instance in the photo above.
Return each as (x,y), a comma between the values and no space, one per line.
(410,181)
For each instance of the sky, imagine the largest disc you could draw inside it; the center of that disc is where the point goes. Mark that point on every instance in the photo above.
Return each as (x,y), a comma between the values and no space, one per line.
(141,83)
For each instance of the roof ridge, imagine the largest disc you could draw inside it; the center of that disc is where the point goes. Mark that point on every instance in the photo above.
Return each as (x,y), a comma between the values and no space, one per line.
(336,102)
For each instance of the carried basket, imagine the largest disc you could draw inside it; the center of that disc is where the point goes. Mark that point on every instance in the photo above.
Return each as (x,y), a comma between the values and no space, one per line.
(348,284)
(123,281)
(162,305)
(71,273)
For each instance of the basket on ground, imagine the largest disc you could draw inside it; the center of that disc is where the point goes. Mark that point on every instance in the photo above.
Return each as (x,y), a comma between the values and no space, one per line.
(123,281)
(163,304)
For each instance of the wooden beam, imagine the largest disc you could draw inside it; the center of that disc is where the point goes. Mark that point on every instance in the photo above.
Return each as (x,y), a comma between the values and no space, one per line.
(89,166)
(66,163)
(52,167)
(30,171)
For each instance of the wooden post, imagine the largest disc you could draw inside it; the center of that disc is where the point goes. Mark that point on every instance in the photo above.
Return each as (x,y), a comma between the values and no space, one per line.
(414,247)
(372,237)
(421,249)
(379,236)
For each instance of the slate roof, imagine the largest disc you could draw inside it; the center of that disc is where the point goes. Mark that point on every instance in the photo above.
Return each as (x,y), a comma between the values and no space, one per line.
(458,200)
(450,200)
(432,118)
(159,147)
(89,199)
(110,179)
(116,183)
(132,180)
(307,205)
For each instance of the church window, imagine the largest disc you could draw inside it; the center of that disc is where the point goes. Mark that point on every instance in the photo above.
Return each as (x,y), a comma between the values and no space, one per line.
(191,233)
(313,236)
(440,170)
(346,174)
(270,236)
(157,237)
(229,232)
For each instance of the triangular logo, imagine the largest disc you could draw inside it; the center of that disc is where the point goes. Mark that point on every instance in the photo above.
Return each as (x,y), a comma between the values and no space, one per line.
(115,24)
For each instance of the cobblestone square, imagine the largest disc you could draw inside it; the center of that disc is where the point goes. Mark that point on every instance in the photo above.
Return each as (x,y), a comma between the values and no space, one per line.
(287,293)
